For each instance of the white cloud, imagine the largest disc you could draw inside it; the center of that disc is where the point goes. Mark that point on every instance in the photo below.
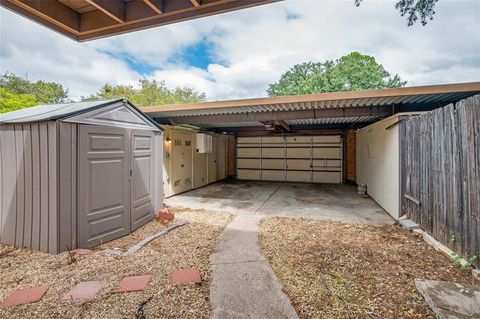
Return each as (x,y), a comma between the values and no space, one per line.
(252,47)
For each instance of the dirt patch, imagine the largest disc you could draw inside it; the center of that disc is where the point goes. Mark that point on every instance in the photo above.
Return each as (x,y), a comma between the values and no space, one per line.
(186,247)
(335,270)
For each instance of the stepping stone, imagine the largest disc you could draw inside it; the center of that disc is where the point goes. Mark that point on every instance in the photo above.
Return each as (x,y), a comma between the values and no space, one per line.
(84,290)
(186,276)
(409,224)
(82,251)
(450,300)
(134,283)
(24,296)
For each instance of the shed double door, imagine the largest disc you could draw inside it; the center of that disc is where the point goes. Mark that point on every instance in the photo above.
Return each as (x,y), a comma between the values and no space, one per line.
(115,169)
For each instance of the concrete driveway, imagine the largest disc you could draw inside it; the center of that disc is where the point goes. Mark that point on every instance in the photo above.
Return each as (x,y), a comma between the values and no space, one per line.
(243,283)
(329,202)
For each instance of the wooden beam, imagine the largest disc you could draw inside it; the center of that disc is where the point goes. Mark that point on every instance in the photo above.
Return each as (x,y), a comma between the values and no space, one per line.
(51,11)
(94,31)
(283,124)
(281,115)
(196,3)
(155,5)
(115,9)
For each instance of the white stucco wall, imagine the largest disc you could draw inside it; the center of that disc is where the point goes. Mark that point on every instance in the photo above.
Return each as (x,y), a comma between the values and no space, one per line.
(378,163)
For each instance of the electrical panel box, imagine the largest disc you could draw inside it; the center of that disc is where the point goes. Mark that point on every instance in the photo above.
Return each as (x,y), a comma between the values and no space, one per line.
(204,143)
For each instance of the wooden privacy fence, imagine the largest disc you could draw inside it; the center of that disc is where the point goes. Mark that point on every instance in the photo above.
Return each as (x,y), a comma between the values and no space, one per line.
(441,174)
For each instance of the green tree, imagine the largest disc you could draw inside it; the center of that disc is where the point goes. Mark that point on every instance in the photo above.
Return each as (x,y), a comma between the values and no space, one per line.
(43,92)
(11,101)
(351,72)
(149,93)
(414,10)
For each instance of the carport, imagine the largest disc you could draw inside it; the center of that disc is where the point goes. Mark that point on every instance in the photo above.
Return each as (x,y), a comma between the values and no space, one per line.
(313,140)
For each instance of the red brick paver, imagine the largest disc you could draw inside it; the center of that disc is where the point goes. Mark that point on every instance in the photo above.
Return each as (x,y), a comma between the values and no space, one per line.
(164,215)
(134,283)
(24,296)
(186,276)
(84,290)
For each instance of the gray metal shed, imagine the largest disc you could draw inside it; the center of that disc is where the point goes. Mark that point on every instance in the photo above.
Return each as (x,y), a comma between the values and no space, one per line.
(77,174)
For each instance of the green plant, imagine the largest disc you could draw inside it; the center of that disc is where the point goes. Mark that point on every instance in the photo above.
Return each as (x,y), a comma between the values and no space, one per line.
(457,261)
(472,259)
(453,237)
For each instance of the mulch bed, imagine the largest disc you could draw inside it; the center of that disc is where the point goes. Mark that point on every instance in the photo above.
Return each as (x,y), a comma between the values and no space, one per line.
(335,270)
(186,247)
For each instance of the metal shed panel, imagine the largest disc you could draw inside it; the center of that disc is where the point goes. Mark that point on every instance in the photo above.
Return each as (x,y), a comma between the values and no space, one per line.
(67,179)
(28,186)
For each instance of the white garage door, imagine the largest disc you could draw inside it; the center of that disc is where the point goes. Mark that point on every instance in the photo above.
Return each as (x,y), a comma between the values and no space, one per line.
(310,159)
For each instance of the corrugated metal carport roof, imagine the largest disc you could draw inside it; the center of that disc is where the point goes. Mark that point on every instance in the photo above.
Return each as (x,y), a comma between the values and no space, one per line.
(313,109)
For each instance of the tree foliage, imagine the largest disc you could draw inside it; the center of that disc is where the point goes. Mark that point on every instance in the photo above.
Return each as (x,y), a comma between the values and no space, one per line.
(414,10)
(11,101)
(43,92)
(351,72)
(149,93)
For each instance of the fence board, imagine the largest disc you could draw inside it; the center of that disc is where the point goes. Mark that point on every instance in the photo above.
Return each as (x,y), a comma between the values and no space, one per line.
(442,171)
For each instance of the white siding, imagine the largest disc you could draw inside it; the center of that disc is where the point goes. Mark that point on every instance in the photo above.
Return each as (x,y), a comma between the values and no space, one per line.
(378,163)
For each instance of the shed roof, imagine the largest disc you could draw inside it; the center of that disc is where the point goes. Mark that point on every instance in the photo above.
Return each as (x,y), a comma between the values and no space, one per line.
(76,112)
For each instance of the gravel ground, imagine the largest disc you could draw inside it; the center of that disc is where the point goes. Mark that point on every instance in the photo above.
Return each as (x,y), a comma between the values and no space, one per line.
(335,270)
(185,247)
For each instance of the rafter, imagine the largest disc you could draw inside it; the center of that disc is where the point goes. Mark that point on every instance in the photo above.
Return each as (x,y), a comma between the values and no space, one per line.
(52,11)
(283,124)
(196,3)
(115,9)
(118,16)
(155,5)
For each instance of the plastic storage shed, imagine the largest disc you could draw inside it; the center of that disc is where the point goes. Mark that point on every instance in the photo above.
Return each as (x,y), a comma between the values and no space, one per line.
(78,174)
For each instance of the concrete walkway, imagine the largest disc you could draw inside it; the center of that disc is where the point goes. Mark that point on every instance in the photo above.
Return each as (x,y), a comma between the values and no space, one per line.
(244,285)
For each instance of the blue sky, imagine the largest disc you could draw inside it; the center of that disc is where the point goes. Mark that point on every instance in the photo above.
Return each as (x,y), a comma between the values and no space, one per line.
(236,55)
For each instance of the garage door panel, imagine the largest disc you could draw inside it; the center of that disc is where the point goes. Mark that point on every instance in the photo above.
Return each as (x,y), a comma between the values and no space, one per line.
(333,153)
(249,140)
(327,164)
(298,164)
(104,194)
(276,140)
(295,152)
(299,139)
(273,152)
(247,174)
(299,176)
(248,152)
(295,161)
(327,177)
(273,164)
(327,139)
(273,175)
(248,163)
